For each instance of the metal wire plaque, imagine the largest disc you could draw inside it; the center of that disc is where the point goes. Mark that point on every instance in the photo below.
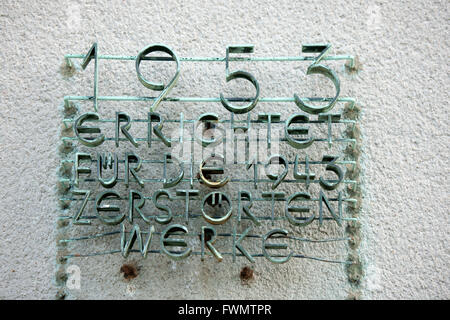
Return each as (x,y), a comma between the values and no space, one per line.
(216,177)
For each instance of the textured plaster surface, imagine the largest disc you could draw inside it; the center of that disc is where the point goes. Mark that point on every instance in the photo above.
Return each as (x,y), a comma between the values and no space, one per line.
(402,88)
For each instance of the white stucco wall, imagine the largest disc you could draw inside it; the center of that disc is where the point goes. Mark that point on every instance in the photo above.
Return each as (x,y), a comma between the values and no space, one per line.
(402,88)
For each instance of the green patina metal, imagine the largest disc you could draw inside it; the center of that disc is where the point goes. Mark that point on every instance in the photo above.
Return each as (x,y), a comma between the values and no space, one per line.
(239,75)
(165,89)
(134,177)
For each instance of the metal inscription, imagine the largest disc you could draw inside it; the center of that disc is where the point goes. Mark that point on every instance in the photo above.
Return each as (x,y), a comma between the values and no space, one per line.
(243,183)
